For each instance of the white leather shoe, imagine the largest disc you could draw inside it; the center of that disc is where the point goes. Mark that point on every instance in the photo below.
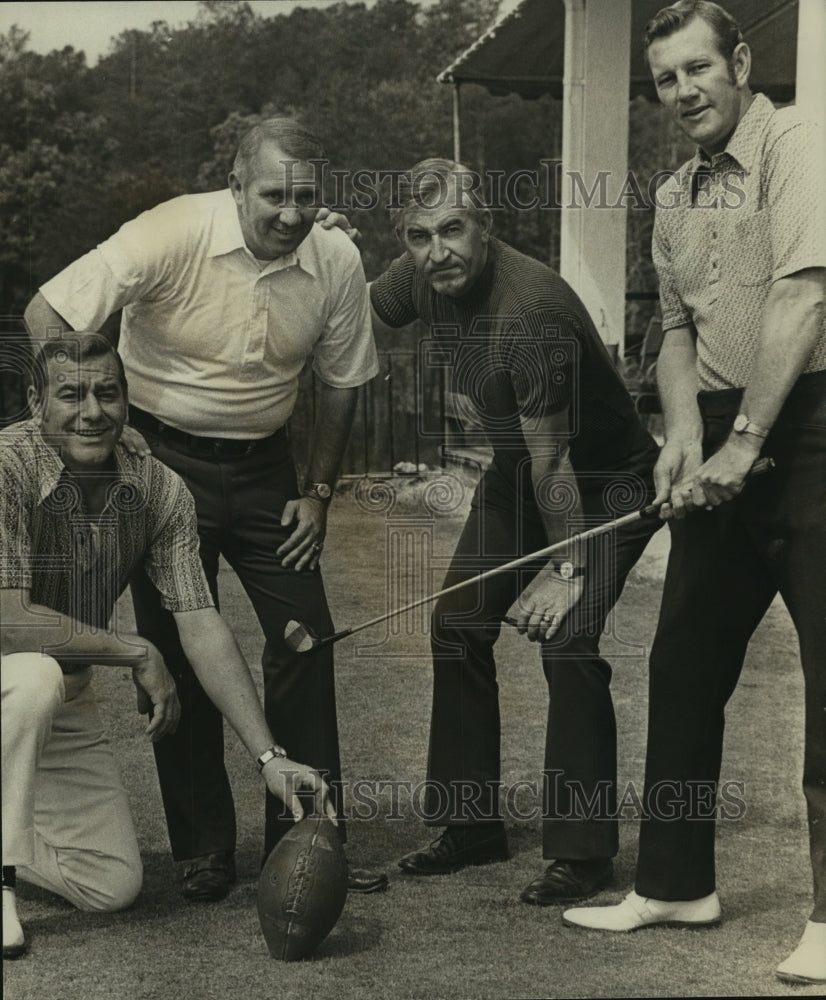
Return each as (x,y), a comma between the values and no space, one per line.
(14,941)
(807,963)
(635,912)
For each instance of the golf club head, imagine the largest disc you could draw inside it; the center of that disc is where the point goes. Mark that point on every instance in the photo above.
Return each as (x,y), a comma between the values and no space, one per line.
(300,638)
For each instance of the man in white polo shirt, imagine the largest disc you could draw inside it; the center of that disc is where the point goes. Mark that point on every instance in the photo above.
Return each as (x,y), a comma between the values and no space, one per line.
(225,297)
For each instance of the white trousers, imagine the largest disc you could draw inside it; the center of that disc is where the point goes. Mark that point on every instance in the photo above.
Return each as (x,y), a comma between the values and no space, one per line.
(66,820)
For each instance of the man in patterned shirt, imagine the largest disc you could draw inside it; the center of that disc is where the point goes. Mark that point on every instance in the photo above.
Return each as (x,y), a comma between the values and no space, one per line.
(568,450)
(740,248)
(77,514)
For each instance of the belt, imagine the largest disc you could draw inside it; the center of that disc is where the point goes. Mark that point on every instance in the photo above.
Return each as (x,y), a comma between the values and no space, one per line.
(206,447)
(808,393)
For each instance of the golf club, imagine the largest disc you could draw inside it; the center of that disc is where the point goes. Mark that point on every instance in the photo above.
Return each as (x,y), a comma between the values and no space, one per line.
(301,639)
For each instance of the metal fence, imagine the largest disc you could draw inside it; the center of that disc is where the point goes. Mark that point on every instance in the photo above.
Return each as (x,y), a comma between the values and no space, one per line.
(403,416)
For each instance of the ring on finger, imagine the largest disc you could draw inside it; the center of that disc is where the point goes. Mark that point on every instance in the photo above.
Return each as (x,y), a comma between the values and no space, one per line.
(315,547)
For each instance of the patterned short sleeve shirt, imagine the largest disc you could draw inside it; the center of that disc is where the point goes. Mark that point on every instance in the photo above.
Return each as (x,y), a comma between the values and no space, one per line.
(80,565)
(728,227)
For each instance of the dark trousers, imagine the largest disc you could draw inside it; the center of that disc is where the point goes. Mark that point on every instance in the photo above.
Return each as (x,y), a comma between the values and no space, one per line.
(725,568)
(239,504)
(580,748)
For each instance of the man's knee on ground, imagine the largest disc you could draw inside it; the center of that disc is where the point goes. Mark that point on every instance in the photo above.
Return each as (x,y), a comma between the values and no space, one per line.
(33,685)
(113,884)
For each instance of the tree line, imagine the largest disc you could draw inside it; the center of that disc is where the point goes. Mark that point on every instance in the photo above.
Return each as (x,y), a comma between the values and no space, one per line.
(83,149)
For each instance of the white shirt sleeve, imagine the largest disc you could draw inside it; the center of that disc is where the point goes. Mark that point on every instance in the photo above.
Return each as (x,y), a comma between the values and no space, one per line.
(123,269)
(345,354)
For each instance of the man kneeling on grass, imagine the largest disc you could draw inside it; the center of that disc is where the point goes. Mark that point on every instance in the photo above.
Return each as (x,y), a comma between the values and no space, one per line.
(77,515)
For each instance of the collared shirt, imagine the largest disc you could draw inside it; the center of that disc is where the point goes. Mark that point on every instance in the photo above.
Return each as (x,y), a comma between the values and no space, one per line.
(213,341)
(78,564)
(518,346)
(727,228)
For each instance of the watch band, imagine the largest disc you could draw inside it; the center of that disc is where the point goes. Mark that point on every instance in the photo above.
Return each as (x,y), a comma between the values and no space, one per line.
(742,425)
(568,571)
(275,752)
(318,491)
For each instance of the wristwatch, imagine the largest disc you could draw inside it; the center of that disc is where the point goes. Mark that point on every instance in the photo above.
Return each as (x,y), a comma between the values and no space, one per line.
(318,491)
(275,752)
(568,571)
(742,425)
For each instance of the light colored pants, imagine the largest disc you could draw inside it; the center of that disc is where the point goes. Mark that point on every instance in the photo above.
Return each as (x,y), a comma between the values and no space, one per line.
(66,820)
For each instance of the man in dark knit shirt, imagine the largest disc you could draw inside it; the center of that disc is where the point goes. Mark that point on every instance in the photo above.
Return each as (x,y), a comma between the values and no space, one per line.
(568,453)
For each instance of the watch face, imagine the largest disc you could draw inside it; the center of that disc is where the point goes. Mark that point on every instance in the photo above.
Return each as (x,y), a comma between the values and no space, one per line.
(740,422)
(323,490)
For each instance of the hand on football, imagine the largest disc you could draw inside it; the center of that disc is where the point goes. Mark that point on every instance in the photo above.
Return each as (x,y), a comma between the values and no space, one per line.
(285,779)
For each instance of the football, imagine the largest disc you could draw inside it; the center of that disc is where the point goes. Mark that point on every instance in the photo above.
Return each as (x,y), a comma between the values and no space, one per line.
(302,889)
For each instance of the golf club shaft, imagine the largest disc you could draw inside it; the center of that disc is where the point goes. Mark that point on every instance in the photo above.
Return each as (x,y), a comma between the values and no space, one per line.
(760,466)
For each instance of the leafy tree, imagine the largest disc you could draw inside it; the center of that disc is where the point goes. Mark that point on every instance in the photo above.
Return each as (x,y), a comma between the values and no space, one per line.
(54,153)
(82,150)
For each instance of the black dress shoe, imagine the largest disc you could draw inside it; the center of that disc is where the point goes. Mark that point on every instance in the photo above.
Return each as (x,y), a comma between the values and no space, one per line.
(359,880)
(568,881)
(458,847)
(208,878)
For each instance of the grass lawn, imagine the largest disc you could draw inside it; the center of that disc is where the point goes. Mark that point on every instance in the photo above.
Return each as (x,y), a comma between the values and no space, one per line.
(465,935)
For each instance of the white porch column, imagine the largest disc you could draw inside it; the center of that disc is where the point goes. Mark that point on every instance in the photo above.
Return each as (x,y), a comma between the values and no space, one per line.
(595,158)
(811,59)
